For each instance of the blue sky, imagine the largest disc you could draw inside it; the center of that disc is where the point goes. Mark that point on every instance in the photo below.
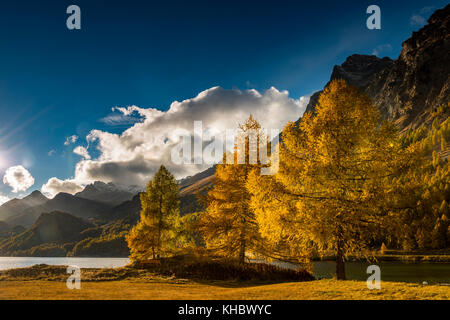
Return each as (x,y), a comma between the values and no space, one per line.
(55,82)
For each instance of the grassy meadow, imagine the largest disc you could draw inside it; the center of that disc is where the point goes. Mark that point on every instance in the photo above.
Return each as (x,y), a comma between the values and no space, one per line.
(188,279)
(176,289)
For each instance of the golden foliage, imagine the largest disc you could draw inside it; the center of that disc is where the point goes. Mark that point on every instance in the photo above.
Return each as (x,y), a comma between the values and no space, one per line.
(228,225)
(156,234)
(336,181)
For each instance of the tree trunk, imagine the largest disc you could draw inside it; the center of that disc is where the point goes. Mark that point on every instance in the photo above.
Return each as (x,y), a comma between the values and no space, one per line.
(159,226)
(340,263)
(242,250)
(242,254)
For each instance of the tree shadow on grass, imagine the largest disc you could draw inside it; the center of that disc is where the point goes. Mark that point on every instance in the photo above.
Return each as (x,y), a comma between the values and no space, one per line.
(236,284)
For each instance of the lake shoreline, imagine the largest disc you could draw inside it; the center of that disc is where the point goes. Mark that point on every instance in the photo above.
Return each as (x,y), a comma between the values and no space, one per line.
(405,258)
(399,256)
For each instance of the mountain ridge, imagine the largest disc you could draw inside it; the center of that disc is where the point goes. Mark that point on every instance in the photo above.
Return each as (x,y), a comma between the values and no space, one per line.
(406,89)
(80,207)
(16,206)
(108,193)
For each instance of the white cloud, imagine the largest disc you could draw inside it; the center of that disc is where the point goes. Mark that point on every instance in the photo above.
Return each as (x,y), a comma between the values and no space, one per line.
(18,178)
(70,140)
(51,152)
(55,186)
(382,48)
(134,156)
(82,151)
(417,20)
(3,199)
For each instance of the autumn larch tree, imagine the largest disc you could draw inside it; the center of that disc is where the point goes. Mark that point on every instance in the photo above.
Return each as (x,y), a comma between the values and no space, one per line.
(228,225)
(155,235)
(334,188)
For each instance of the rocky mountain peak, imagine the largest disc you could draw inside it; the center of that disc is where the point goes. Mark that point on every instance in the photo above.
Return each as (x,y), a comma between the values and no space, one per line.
(357,69)
(408,88)
(418,80)
(36,196)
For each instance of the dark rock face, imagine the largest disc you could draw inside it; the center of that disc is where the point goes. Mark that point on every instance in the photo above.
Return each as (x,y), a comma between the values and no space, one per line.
(408,88)
(419,79)
(358,69)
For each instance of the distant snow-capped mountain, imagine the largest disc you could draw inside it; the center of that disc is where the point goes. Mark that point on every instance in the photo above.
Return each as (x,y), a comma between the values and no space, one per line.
(109,193)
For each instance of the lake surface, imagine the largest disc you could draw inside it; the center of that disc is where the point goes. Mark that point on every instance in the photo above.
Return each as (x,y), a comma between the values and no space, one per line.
(432,273)
(390,271)
(23,262)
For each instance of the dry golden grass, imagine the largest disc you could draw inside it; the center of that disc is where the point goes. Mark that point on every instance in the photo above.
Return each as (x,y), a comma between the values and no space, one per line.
(187,290)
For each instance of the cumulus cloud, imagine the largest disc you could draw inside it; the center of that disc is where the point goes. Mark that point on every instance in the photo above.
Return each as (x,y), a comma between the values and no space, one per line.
(70,140)
(82,151)
(134,156)
(51,152)
(18,178)
(55,186)
(3,199)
